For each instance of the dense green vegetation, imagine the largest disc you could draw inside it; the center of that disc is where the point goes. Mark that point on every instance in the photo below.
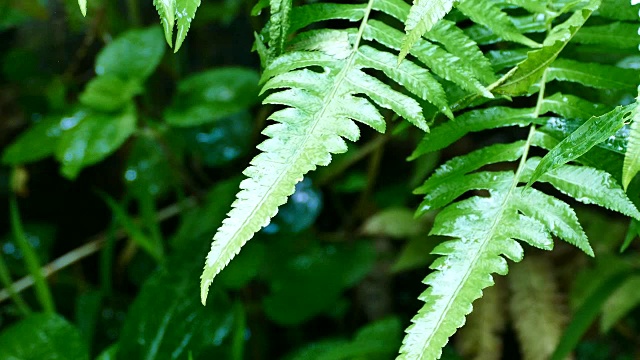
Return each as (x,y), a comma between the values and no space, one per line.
(457,140)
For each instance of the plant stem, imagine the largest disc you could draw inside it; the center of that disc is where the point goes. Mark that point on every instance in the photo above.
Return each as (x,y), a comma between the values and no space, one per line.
(43,292)
(5,278)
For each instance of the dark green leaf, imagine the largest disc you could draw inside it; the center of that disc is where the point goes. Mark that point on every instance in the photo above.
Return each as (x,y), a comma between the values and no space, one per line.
(36,143)
(213,95)
(109,93)
(133,55)
(89,137)
(42,337)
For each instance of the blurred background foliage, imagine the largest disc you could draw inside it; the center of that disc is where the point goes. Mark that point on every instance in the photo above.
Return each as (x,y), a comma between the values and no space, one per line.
(120,159)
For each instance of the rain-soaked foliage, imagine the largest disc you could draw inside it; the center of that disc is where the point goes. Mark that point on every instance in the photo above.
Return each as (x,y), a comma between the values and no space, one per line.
(122,156)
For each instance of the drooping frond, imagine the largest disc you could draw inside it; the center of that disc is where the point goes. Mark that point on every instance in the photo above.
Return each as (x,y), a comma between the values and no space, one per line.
(481,336)
(485,229)
(321,81)
(536,307)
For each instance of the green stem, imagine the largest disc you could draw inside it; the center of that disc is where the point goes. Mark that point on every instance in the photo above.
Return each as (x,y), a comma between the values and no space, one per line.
(149,218)
(30,258)
(5,278)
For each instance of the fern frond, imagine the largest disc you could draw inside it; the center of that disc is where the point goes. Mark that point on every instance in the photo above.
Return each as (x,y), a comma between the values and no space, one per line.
(535,306)
(423,16)
(530,70)
(485,229)
(322,107)
(631,164)
(480,338)
(182,10)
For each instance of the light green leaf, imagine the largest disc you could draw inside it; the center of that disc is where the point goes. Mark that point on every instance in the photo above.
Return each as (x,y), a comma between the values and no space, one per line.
(589,134)
(212,95)
(424,14)
(42,337)
(166,9)
(133,55)
(83,7)
(472,121)
(485,12)
(624,299)
(587,185)
(89,137)
(185,13)
(571,107)
(530,70)
(631,164)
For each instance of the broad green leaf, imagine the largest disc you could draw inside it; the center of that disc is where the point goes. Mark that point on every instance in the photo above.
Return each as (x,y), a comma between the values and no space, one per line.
(185,13)
(632,155)
(83,7)
(530,70)
(621,35)
(133,55)
(109,93)
(472,121)
(166,322)
(42,337)
(376,341)
(166,9)
(587,185)
(89,137)
(35,143)
(424,14)
(485,12)
(592,132)
(593,75)
(212,95)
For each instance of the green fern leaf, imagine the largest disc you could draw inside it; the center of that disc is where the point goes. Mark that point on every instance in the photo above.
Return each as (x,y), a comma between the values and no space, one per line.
(621,35)
(535,307)
(523,24)
(279,25)
(571,107)
(594,75)
(480,337)
(83,7)
(594,131)
(423,16)
(170,10)
(487,13)
(530,70)
(185,13)
(472,121)
(166,9)
(534,6)
(631,164)
(320,112)
(587,185)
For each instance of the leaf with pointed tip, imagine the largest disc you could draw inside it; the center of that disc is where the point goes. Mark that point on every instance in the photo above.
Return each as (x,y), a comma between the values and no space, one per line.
(530,70)
(83,7)
(592,132)
(166,9)
(632,155)
(485,12)
(587,185)
(472,121)
(185,13)
(424,14)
